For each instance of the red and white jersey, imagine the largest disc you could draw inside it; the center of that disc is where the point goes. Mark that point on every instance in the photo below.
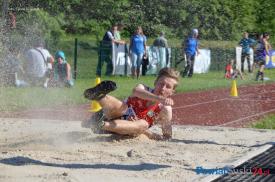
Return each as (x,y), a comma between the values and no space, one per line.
(142,109)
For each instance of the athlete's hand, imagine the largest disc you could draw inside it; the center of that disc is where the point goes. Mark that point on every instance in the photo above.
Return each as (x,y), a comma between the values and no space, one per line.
(167,101)
(162,137)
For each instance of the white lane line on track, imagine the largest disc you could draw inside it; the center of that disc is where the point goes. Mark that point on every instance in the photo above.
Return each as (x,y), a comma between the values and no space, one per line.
(191,105)
(228,98)
(247,117)
(255,100)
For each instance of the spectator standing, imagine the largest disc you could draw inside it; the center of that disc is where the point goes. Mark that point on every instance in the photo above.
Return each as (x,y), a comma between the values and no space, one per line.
(261,51)
(246,43)
(161,42)
(105,51)
(190,48)
(137,51)
(117,33)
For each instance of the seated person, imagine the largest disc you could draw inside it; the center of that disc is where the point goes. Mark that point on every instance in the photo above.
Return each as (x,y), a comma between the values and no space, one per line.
(61,71)
(37,64)
(144,108)
(230,72)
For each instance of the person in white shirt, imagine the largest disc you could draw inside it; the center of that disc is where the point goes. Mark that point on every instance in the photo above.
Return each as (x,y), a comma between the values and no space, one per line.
(38,65)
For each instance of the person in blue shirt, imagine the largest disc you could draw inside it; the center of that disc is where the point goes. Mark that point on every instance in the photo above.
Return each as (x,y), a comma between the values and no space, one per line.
(190,48)
(137,51)
(246,43)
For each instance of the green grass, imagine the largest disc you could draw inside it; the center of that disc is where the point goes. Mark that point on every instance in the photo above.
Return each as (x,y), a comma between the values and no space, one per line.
(268,122)
(87,54)
(203,43)
(35,97)
(13,99)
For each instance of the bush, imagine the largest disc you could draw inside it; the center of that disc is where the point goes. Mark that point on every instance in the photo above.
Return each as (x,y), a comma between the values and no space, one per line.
(38,23)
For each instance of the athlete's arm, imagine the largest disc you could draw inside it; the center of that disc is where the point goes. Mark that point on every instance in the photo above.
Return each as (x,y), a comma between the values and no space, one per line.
(166,131)
(141,92)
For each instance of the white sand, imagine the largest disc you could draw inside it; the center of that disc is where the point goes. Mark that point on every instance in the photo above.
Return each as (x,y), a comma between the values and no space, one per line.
(47,150)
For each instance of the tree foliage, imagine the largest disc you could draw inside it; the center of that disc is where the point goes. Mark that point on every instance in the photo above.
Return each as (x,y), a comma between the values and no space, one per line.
(216,19)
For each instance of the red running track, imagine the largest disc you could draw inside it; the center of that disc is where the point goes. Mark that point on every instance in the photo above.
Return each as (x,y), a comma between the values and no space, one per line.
(218,108)
(210,108)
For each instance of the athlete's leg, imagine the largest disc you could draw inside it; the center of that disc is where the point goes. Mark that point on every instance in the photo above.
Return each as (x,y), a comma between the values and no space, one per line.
(100,90)
(112,107)
(125,127)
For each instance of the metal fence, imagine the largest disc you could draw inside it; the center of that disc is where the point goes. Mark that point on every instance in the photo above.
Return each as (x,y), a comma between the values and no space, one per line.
(219,58)
(86,67)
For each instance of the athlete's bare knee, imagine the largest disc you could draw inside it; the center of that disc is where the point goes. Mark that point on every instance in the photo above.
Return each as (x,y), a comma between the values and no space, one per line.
(142,127)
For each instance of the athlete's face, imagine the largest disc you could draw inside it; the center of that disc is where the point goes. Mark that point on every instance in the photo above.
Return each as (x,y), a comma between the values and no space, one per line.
(165,86)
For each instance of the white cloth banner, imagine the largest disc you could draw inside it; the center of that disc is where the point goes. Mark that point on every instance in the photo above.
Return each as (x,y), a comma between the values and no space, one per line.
(239,57)
(202,61)
(121,60)
(270,60)
(158,58)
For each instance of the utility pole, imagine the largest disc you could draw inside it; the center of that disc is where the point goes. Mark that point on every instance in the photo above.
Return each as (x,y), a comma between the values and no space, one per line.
(5,8)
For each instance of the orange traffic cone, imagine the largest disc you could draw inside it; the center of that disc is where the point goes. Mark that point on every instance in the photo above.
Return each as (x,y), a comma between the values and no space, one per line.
(234,90)
(95,106)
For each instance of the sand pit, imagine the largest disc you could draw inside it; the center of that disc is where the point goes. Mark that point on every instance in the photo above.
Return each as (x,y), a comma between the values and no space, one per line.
(52,150)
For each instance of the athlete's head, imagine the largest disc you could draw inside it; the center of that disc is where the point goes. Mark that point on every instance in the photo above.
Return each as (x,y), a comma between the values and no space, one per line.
(166,82)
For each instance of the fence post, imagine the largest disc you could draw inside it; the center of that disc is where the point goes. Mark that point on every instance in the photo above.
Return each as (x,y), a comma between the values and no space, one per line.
(5,8)
(75,58)
(126,60)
